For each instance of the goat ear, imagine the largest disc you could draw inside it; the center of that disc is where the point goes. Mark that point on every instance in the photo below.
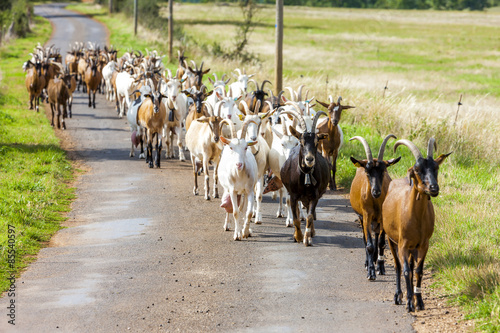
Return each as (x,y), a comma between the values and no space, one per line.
(249,76)
(441,158)
(210,93)
(357,164)
(187,93)
(205,72)
(345,107)
(392,161)
(251,143)
(242,117)
(294,132)
(322,136)
(323,104)
(224,140)
(203,119)
(211,81)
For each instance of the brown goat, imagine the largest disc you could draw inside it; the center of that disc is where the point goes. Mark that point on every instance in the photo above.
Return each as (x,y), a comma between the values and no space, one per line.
(70,81)
(152,116)
(92,80)
(35,82)
(330,147)
(368,191)
(408,219)
(58,96)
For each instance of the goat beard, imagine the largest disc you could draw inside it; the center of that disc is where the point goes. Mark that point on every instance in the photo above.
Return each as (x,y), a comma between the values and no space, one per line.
(227,204)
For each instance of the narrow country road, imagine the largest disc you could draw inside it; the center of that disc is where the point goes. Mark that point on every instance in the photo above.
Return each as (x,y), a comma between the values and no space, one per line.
(142,254)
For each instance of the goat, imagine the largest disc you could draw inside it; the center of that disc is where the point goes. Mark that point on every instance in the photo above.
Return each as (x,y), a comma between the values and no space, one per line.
(238,174)
(70,82)
(35,82)
(137,131)
(202,140)
(239,87)
(125,85)
(198,108)
(151,117)
(408,219)
(92,80)
(107,74)
(330,148)
(368,191)
(198,75)
(305,175)
(281,147)
(58,96)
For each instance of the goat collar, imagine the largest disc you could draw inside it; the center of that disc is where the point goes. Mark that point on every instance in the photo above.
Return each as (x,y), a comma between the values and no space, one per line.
(309,179)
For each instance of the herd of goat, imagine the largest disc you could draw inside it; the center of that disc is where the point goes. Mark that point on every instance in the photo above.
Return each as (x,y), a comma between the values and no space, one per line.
(249,137)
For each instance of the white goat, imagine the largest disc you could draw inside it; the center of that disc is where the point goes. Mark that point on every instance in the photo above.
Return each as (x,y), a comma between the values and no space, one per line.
(107,74)
(125,85)
(238,174)
(239,88)
(202,140)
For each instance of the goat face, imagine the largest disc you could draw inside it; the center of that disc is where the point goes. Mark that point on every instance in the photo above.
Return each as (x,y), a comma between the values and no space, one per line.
(425,174)
(375,172)
(214,123)
(173,87)
(308,146)
(156,98)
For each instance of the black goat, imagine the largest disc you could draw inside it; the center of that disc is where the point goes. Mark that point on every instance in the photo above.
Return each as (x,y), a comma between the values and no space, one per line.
(305,174)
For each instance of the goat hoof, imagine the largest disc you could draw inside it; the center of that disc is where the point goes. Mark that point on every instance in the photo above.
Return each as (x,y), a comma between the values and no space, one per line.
(381,267)
(410,307)
(398,298)
(207,197)
(150,165)
(258,222)
(307,241)
(420,302)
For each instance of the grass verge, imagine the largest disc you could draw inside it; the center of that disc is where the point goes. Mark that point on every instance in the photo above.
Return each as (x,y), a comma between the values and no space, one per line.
(34,171)
(429,59)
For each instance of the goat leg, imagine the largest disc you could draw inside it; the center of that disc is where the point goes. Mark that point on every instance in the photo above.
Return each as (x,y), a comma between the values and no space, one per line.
(248,216)
(370,248)
(419,272)
(297,236)
(93,99)
(407,271)
(52,111)
(90,101)
(158,149)
(195,173)
(380,259)
(207,177)
(398,296)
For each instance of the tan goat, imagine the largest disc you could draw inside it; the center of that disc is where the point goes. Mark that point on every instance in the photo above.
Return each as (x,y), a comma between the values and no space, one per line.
(368,191)
(330,147)
(35,82)
(408,219)
(58,96)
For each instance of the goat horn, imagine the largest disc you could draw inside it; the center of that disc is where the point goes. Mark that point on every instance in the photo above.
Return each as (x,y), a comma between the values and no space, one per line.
(216,78)
(169,74)
(255,83)
(231,126)
(271,110)
(218,110)
(368,151)
(280,135)
(416,153)
(272,95)
(315,120)
(245,107)
(338,101)
(382,147)
(245,127)
(201,67)
(263,83)
(193,63)
(257,107)
(299,95)
(299,118)
(283,125)
(307,93)
(209,108)
(237,70)
(430,147)
(292,94)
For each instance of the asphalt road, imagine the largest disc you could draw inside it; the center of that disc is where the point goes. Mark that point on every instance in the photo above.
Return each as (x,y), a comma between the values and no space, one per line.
(142,254)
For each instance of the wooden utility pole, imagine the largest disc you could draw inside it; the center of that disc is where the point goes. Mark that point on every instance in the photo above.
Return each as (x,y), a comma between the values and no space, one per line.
(135,17)
(110,6)
(278,79)
(170,28)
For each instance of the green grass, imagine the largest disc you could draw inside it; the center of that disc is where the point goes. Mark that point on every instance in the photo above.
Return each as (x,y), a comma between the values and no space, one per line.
(429,58)
(34,171)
